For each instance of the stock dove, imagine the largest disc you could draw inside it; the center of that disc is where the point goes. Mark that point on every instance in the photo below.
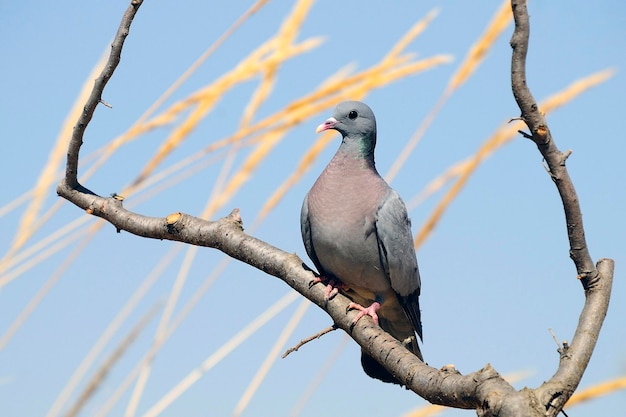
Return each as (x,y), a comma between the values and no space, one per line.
(356,231)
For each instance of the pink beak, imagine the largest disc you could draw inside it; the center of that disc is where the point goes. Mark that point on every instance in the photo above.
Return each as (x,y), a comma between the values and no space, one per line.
(328,124)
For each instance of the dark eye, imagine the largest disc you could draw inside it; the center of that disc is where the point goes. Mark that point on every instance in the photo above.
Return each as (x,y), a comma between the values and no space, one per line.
(353,115)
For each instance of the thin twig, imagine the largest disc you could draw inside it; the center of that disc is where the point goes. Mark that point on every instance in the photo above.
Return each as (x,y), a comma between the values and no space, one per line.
(104,103)
(308,339)
(558,344)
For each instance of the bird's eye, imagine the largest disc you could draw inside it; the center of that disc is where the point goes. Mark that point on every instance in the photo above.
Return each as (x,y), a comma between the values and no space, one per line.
(353,115)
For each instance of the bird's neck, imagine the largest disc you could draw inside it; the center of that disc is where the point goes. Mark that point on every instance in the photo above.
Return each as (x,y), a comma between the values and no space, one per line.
(359,151)
(351,165)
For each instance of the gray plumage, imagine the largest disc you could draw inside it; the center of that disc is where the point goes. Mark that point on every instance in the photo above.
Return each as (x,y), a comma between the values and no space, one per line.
(356,230)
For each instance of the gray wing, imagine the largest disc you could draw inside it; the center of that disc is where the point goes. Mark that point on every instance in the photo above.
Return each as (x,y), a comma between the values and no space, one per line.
(397,255)
(305,229)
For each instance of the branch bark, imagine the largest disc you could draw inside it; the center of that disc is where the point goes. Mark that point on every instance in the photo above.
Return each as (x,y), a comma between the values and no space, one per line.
(483,390)
(555,159)
(71,168)
(597,282)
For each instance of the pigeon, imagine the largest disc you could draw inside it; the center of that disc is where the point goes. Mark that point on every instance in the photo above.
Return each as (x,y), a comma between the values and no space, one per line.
(356,231)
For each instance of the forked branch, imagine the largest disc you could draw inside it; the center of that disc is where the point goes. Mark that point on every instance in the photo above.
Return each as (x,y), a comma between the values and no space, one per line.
(597,282)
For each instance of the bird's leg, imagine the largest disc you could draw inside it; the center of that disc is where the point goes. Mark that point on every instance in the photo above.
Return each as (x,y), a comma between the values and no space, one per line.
(333,286)
(365,311)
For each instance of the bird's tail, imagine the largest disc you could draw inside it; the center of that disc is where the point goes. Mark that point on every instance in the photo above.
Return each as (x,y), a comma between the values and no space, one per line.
(401,330)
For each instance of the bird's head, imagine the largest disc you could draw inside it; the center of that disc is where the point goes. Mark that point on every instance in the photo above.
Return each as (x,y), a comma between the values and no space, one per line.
(356,123)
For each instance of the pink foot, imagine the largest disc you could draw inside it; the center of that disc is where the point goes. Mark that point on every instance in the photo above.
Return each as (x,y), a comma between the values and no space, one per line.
(332,286)
(369,311)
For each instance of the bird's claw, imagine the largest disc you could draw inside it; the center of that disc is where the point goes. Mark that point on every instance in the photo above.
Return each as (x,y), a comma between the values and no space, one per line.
(364,311)
(332,286)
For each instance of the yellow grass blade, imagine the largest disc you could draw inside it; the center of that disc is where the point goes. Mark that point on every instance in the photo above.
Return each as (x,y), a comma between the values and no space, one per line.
(404,154)
(479,50)
(121,388)
(111,329)
(305,163)
(504,134)
(142,125)
(320,375)
(283,41)
(575,89)
(12,205)
(205,100)
(65,235)
(47,176)
(243,175)
(274,353)
(426,411)
(162,328)
(597,390)
(417,29)
(292,24)
(438,183)
(109,362)
(195,375)
(473,59)
(47,286)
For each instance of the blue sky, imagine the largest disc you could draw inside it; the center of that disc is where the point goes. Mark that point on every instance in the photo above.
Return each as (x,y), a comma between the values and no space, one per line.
(496,273)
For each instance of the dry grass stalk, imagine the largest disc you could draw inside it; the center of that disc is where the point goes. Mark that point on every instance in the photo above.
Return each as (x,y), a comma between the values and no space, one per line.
(111,329)
(472,60)
(598,390)
(109,362)
(479,50)
(503,135)
(47,177)
(162,329)
(271,357)
(143,125)
(195,375)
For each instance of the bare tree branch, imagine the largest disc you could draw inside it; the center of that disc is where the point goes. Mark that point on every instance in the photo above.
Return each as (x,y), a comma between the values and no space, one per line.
(597,283)
(484,390)
(71,169)
(555,159)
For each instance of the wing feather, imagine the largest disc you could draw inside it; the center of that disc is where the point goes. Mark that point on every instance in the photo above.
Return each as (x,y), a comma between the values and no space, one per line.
(397,255)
